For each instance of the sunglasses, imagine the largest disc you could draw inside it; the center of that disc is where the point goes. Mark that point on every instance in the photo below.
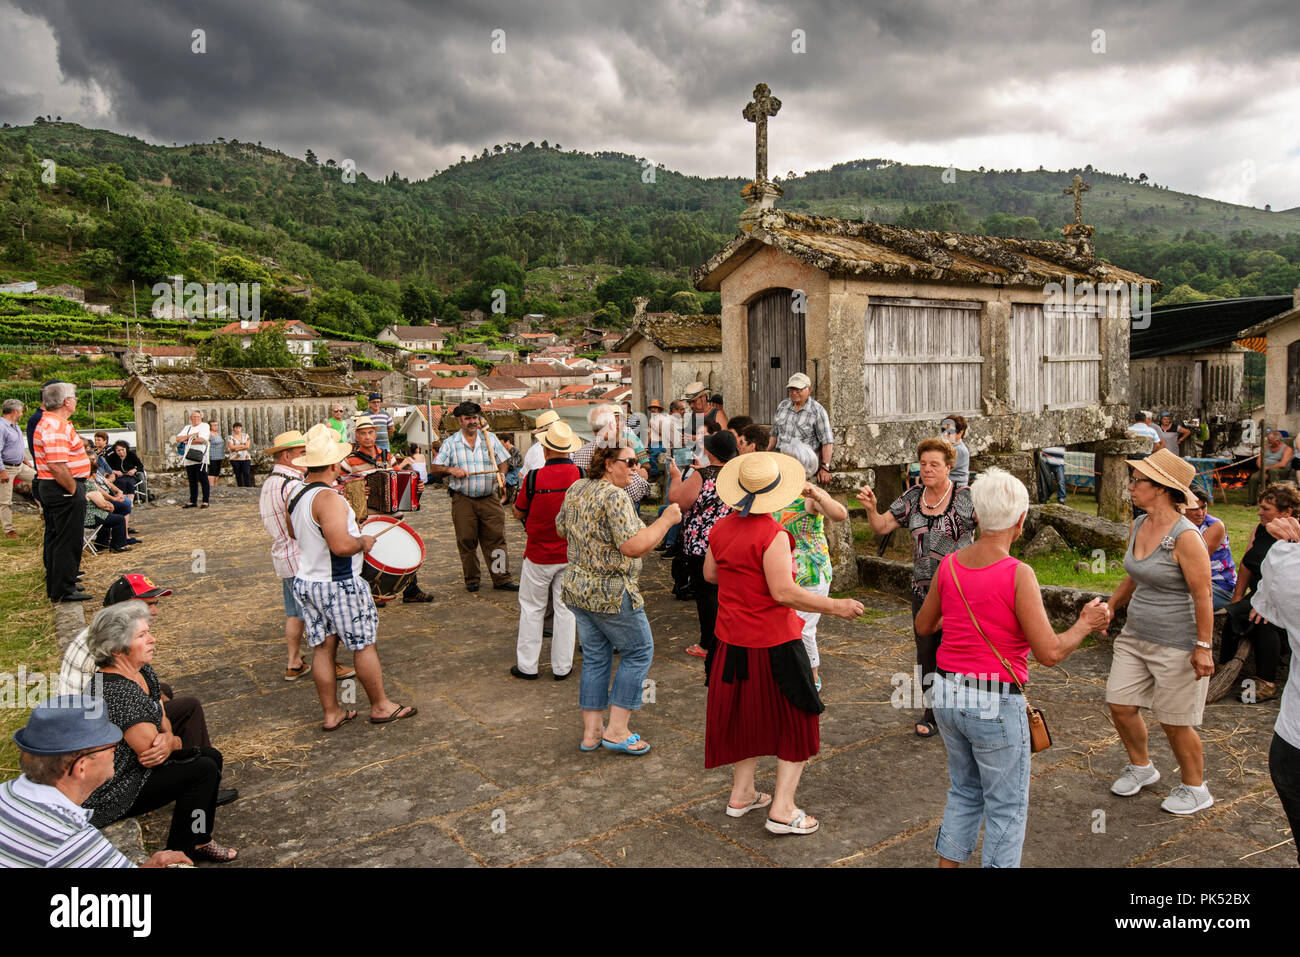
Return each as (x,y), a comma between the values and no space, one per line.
(625,460)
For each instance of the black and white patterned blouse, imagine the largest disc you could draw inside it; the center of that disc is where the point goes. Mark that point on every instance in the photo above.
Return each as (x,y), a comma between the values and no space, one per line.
(126,705)
(934,536)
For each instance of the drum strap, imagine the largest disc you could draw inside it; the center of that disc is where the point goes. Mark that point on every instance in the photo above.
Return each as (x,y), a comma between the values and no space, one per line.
(293,503)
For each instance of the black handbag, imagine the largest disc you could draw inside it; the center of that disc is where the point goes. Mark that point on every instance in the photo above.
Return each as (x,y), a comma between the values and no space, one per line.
(193,455)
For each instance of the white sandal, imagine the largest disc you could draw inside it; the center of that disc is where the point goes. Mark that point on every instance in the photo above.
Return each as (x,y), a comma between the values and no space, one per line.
(756,803)
(794,827)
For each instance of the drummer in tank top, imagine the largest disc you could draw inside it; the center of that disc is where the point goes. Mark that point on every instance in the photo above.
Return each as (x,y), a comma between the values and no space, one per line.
(333,598)
(366,457)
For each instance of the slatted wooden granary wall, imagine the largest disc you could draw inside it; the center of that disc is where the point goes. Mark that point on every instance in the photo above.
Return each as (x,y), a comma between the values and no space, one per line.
(1055,357)
(922,358)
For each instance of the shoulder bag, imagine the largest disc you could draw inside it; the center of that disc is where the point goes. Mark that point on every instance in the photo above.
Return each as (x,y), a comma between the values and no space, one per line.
(1040,738)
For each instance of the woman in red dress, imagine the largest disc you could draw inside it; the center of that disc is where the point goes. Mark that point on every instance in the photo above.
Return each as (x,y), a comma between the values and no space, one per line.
(761,694)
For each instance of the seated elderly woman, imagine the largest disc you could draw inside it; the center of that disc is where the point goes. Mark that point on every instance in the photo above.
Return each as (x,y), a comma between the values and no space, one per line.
(151,769)
(107,510)
(992,614)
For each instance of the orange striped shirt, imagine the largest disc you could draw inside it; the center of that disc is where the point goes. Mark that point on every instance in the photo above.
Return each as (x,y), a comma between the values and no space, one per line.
(56,441)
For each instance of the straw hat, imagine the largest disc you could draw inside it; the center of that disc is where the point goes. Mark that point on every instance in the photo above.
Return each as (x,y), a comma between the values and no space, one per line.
(560,438)
(544,421)
(363,422)
(654,404)
(1165,468)
(292,439)
(322,449)
(760,482)
(694,389)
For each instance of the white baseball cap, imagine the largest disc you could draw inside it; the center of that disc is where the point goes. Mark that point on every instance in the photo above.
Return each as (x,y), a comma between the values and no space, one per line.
(799,381)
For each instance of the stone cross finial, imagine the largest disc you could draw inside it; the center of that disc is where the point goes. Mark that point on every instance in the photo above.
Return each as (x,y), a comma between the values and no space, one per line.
(757,111)
(1078,187)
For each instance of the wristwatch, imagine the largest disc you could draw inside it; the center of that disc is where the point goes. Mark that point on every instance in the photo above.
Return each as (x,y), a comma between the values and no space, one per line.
(1205,644)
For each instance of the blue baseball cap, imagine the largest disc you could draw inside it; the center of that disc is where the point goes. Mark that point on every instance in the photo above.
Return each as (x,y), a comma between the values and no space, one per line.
(65,724)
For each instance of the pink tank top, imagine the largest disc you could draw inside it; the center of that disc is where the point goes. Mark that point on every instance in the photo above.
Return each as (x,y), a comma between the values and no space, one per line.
(991,592)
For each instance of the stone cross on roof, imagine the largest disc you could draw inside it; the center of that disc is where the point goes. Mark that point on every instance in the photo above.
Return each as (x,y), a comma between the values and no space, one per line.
(1078,187)
(757,111)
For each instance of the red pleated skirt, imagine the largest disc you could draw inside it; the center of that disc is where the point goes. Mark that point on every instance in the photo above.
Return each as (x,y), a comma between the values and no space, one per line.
(751,718)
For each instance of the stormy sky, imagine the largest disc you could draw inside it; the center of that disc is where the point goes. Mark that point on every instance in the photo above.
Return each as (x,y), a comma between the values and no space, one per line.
(1201,96)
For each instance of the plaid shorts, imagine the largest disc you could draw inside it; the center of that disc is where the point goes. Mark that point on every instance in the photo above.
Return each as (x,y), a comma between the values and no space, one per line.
(344,608)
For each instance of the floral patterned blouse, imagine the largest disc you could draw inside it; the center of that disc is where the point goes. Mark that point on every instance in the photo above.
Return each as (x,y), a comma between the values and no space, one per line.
(597,517)
(704,514)
(812,554)
(934,536)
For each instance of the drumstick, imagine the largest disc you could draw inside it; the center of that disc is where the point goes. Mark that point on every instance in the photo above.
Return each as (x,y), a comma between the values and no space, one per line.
(389,528)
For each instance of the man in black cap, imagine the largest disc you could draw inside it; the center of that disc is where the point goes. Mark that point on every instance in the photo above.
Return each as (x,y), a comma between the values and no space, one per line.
(66,751)
(476,463)
(383,421)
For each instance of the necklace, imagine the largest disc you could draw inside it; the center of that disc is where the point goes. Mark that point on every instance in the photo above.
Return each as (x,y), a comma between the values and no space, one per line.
(947,486)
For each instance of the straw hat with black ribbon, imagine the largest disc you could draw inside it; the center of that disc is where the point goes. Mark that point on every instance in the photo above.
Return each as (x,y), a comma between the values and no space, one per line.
(545,419)
(293,439)
(560,438)
(322,449)
(760,482)
(363,422)
(1166,468)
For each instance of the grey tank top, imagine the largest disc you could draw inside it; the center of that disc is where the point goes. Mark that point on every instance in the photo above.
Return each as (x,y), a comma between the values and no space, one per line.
(1161,609)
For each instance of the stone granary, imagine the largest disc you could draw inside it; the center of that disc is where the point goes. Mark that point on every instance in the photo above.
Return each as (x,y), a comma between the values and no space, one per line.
(899,327)
(266,401)
(668,352)
(1192,359)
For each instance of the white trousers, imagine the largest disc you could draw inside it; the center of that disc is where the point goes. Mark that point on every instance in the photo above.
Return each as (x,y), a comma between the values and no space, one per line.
(535,581)
(810,619)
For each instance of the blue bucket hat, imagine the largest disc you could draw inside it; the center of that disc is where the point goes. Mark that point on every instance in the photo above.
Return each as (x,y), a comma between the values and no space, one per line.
(65,724)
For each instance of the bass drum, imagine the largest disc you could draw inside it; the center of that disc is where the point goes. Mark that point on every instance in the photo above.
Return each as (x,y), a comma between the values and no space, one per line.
(396,556)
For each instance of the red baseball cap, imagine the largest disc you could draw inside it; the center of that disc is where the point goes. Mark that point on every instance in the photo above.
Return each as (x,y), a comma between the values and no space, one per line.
(133,586)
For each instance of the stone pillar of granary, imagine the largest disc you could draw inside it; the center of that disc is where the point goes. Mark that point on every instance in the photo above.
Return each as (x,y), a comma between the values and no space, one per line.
(1019,464)
(1111,457)
(995,347)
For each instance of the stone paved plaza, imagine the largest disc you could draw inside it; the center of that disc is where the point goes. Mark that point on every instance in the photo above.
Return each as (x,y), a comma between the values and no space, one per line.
(489,772)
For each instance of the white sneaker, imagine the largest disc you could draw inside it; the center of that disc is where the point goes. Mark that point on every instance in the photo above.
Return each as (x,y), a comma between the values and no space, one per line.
(1183,800)
(1134,779)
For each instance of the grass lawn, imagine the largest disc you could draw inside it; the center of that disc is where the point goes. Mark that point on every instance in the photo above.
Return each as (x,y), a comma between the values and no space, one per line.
(27,639)
(1059,569)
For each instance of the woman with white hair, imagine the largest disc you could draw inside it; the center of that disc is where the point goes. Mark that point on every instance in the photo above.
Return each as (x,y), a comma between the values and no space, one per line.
(152,767)
(992,615)
(802,518)
(194,440)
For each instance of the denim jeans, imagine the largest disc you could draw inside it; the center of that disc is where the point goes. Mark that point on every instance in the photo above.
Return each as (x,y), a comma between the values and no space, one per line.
(1221,596)
(987,737)
(670,539)
(600,634)
(1059,472)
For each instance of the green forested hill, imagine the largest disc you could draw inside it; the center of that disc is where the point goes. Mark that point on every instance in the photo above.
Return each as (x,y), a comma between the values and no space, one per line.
(101,209)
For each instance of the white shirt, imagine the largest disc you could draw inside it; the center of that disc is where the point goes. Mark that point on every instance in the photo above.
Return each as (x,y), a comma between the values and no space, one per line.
(202,432)
(534,458)
(1278,600)
(1141,428)
(316,563)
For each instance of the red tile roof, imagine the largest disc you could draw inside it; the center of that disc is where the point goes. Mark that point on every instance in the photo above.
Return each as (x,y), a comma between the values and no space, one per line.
(293,329)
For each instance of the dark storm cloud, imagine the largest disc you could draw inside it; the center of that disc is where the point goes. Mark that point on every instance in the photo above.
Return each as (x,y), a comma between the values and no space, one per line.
(413,85)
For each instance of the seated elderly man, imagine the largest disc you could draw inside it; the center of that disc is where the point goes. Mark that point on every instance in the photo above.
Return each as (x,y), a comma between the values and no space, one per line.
(66,753)
(368,456)
(152,767)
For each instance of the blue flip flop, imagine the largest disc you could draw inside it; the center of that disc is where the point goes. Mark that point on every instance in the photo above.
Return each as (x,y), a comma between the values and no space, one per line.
(625,745)
(594,747)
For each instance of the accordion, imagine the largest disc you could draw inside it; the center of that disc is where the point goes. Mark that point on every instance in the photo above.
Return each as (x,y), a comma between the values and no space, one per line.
(389,491)
(353,488)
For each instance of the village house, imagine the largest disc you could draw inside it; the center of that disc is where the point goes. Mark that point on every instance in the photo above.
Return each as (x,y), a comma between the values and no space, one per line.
(266,401)
(538,339)
(64,291)
(1193,361)
(542,377)
(668,352)
(618,358)
(341,349)
(301,338)
(417,338)
(1281,334)
(149,357)
(900,327)
(396,387)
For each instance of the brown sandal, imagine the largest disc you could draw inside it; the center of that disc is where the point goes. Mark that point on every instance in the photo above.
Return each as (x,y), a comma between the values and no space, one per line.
(212,851)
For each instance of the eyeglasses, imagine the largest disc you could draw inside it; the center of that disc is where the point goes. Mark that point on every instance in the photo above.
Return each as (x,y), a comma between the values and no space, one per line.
(90,754)
(625,460)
